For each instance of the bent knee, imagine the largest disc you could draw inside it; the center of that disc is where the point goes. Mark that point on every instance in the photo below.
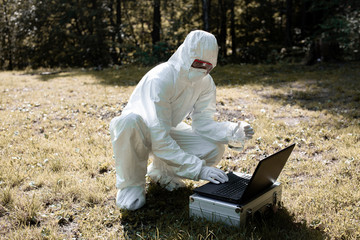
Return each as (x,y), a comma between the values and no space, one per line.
(127,124)
(215,155)
(126,121)
(219,151)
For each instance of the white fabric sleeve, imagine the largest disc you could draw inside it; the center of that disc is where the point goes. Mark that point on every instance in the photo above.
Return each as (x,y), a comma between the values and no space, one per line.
(158,116)
(202,116)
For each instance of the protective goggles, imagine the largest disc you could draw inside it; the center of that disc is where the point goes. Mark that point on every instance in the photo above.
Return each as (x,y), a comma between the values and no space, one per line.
(203,65)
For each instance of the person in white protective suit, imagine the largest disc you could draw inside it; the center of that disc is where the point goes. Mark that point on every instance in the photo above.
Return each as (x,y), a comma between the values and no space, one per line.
(152,123)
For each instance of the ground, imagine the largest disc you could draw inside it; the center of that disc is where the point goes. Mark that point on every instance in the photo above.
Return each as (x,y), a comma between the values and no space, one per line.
(57,176)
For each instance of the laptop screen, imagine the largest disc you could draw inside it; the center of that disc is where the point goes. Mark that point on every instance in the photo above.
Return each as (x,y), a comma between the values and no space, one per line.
(267,172)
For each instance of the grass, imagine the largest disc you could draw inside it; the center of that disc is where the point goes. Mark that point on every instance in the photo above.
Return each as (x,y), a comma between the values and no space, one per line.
(57,176)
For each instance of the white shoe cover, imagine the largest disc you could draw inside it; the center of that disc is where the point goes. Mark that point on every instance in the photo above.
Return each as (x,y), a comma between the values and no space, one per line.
(131,198)
(170,183)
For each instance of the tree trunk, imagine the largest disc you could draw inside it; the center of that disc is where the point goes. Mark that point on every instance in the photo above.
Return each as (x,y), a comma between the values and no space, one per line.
(2,47)
(206,10)
(156,22)
(128,21)
(222,36)
(8,53)
(288,34)
(118,29)
(232,28)
(113,53)
(247,20)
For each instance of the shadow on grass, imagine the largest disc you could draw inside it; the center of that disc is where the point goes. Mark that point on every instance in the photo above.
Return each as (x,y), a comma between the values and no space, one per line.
(166,216)
(331,87)
(124,76)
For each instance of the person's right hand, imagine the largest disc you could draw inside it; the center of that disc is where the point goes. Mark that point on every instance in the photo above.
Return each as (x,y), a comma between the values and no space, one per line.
(213,175)
(243,131)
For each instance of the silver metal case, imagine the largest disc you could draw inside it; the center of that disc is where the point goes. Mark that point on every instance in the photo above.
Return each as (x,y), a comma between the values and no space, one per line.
(232,213)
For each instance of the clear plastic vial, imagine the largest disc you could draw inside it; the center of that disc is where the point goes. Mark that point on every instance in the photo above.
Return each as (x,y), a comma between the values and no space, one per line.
(237,139)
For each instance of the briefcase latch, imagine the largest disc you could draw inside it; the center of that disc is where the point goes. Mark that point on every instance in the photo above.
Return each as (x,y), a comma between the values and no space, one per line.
(239,210)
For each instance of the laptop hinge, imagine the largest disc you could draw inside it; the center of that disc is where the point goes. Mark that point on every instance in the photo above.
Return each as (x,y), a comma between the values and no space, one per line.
(275,198)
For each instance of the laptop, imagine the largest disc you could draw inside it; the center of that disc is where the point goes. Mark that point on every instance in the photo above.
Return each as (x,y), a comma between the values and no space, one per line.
(242,189)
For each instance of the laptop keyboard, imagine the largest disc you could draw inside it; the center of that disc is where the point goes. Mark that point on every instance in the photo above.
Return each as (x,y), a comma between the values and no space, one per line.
(235,186)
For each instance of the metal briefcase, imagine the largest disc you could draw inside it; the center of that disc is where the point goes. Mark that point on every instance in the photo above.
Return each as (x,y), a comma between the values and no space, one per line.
(232,213)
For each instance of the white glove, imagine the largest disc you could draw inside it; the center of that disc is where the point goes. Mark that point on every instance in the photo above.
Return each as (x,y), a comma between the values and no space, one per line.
(243,131)
(213,175)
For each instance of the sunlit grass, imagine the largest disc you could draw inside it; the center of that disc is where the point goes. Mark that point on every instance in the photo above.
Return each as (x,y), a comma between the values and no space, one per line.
(57,176)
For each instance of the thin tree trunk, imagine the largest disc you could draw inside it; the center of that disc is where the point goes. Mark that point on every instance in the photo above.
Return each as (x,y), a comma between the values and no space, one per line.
(247,19)
(288,34)
(206,10)
(8,52)
(156,23)
(128,20)
(222,37)
(112,34)
(232,28)
(118,29)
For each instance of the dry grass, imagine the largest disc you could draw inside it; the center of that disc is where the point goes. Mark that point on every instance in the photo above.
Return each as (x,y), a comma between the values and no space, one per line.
(57,172)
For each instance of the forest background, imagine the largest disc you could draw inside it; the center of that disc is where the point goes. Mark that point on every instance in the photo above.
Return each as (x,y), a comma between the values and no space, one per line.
(78,33)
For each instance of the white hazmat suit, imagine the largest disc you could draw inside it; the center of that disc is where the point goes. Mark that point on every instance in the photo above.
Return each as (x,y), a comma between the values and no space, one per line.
(152,123)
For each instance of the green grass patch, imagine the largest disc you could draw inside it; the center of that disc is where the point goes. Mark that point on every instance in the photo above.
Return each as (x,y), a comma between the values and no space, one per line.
(57,176)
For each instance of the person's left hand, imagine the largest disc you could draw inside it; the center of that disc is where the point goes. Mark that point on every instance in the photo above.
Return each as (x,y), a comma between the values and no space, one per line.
(213,175)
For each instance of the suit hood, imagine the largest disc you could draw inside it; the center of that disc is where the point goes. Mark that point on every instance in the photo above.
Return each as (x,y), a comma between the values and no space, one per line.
(198,44)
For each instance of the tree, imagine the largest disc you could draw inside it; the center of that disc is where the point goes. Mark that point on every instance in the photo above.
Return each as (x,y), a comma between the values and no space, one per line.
(115,33)
(206,11)
(7,34)
(222,28)
(118,30)
(330,29)
(156,22)
(288,33)
(232,28)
